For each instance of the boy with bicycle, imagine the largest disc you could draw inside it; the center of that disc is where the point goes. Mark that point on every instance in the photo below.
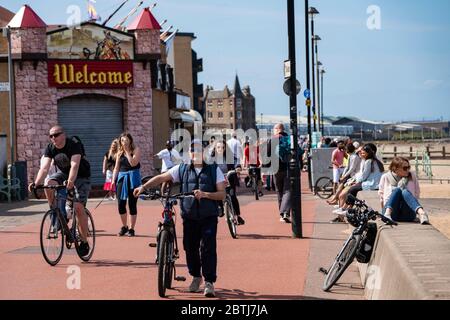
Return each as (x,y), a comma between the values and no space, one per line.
(200,214)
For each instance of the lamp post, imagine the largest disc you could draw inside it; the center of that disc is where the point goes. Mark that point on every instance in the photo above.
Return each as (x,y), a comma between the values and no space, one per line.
(294,172)
(261,124)
(312,12)
(321,95)
(308,87)
(319,115)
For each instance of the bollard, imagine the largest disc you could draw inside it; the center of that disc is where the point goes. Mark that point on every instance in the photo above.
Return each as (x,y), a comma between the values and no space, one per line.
(443,152)
(395,151)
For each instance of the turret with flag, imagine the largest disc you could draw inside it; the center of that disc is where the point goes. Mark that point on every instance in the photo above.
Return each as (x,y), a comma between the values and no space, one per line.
(93,15)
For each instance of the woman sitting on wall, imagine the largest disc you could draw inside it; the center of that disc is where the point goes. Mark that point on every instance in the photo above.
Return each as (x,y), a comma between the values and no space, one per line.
(399,193)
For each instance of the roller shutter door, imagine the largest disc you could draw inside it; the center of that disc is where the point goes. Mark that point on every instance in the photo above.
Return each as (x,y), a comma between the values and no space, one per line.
(97,121)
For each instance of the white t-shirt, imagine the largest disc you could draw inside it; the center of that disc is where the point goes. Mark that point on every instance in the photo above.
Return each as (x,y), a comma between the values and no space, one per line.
(236,147)
(169,159)
(175,173)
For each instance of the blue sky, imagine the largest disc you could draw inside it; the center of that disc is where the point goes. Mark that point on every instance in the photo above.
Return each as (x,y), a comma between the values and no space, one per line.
(400,72)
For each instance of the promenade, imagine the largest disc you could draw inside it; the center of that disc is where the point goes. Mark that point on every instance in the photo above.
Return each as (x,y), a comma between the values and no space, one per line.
(265,262)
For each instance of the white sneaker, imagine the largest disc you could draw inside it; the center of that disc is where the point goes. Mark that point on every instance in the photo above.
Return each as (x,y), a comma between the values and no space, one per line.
(195,284)
(209,290)
(388,215)
(424,218)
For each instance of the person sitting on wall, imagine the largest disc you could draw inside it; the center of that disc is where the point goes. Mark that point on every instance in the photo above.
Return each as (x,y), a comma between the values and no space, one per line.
(399,193)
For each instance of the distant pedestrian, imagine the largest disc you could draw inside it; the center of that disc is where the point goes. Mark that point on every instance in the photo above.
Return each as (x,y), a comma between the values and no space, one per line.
(281,177)
(236,147)
(337,160)
(109,162)
(128,177)
(170,157)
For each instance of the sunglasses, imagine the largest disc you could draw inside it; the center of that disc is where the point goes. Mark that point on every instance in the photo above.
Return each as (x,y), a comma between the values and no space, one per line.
(55,135)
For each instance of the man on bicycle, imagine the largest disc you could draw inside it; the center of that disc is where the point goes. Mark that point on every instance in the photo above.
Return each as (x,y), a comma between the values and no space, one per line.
(253,164)
(200,214)
(75,170)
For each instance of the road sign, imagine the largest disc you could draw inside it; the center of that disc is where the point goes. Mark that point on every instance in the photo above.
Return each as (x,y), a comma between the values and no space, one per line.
(287,69)
(4,86)
(287,87)
(307,93)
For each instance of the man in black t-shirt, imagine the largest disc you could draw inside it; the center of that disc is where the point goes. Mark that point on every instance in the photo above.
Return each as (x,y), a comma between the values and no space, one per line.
(75,169)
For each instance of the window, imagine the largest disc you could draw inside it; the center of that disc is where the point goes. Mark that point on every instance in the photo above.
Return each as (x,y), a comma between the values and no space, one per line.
(210,114)
(239,114)
(220,115)
(231,114)
(238,103)
(220,103)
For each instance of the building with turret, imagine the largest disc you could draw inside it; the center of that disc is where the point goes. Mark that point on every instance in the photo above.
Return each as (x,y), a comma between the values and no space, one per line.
(229,109)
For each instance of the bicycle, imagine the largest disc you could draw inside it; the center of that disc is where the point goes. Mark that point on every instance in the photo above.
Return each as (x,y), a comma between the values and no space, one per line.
(166,240)
(55,231)
(355,246)
(324,188)
(253,174)
(229,211)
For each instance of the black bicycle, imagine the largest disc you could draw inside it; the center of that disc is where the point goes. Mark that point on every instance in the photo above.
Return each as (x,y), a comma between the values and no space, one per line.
(324,188)
(55,231)
(253,183)
(360,242)
(166,240)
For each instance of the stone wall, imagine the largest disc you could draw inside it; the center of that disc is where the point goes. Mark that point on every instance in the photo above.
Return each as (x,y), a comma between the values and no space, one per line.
(147,42)
(32,40)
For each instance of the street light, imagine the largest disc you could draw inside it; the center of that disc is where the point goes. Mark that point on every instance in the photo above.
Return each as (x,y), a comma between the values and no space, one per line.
(312,12)
(319,117)
(294,171)
(308,87)
(321,95)
(315,39)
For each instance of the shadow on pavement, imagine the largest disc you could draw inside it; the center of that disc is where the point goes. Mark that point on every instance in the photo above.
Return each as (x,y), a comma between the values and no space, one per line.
(262,237)
(126,263)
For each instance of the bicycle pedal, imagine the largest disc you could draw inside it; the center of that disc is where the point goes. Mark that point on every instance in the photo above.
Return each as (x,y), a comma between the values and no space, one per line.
(152,245)
(323,270)
(180,278)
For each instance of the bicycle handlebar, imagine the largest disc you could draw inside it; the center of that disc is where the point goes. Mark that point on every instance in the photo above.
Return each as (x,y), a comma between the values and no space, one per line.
(352,200)
(157,195)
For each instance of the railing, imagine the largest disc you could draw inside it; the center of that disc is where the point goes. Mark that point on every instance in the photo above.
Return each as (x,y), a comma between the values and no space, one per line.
(431,153)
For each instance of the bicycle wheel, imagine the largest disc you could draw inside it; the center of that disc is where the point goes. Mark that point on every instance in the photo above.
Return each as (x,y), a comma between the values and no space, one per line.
(231,218)
(90,236)
(163,259)
(52,237)
(255,188)
(342,261)
(324,188)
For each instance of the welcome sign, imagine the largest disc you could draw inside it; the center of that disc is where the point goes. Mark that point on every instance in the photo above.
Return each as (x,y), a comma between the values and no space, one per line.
(90,74)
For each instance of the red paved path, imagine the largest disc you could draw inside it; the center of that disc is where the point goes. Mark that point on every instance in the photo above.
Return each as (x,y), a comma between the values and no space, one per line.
(264,263)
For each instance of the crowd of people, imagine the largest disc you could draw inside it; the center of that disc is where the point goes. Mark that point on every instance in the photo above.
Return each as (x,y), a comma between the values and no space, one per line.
(212,174)
(356,167)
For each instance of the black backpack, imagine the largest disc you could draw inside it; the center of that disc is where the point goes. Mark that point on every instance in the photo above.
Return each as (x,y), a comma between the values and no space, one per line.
(84,161)
(77,139)
(365,249)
